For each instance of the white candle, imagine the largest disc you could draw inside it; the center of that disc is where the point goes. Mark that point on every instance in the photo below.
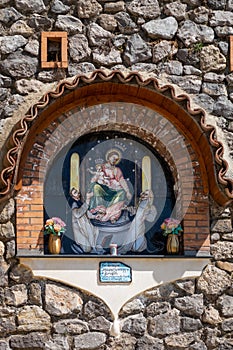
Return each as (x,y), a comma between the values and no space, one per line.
(146,173)
(74,171)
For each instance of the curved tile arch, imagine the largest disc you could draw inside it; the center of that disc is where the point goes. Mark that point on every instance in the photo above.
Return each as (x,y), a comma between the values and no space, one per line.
(149,89)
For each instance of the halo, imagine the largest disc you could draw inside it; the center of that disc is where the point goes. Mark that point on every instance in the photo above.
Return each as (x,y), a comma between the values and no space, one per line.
(114,151)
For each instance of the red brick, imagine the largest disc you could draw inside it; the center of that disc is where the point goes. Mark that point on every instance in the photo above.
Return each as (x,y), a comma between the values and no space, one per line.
(35,227)
(35,220)
(190,223)
(36,207)
(203,223)
(200,230)
(21,208)
(37,233)
(192,243)
(189,236)
(23,233)
(204,237)
(191,209)
(195,217)
(34,201)
(22,221)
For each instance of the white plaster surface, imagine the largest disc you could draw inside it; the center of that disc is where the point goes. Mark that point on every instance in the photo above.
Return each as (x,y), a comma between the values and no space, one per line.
(84,274)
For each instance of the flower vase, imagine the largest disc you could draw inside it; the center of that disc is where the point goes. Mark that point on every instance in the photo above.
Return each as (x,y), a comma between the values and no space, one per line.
(172,244)
(54,244)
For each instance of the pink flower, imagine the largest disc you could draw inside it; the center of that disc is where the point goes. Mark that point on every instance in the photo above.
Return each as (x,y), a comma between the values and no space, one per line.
(57,228)
(171,225)
(49,222)
(58,221)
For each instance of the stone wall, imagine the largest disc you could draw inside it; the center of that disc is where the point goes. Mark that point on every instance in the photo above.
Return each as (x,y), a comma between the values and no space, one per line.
(185,42)
(186,314)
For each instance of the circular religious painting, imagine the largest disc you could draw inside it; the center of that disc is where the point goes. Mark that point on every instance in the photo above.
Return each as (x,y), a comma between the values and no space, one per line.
(111,188)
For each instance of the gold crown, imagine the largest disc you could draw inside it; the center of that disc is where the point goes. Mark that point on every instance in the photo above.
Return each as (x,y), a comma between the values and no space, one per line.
(121,146)
(99,161)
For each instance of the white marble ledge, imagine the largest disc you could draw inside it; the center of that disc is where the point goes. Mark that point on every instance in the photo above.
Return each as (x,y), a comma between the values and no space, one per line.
(84,274)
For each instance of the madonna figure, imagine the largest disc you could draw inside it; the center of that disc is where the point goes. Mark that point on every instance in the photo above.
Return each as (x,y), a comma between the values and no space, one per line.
(111,196)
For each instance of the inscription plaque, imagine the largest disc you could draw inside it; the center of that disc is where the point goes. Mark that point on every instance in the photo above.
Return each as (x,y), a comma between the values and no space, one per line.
(114,272)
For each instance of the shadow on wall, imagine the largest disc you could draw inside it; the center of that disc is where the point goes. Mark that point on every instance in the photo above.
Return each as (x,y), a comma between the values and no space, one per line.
(160,317)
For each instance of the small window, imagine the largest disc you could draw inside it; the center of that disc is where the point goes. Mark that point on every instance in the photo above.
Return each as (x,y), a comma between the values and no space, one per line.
(54,50)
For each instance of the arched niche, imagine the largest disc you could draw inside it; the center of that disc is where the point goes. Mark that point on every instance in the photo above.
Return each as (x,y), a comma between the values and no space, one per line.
(35,133)
(126,121)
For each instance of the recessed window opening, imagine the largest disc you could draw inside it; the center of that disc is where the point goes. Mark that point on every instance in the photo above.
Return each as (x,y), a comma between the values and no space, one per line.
(54,50)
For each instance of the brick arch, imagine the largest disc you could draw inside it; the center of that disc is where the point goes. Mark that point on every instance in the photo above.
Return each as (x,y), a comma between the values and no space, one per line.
(102,92)
(68,126)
